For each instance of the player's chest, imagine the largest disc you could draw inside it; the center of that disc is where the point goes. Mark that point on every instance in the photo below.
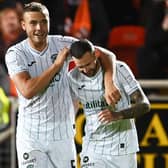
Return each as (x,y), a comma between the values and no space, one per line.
(38,63)
(89,89)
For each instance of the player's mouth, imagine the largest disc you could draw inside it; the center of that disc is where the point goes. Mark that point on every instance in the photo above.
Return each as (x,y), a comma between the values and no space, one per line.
(39,34)
(90,73)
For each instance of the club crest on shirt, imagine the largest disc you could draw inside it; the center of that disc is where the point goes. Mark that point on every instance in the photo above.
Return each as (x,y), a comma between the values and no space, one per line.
(53,57)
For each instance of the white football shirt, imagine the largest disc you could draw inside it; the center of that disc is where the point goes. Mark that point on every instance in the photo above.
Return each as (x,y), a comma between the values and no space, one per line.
(117,137)
(48,115)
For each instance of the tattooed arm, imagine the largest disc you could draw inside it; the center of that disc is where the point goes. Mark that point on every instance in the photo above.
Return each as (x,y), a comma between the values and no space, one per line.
(139,106)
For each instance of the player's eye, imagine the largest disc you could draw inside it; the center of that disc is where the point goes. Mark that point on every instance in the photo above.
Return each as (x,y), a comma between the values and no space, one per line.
(33,22)
(44,21)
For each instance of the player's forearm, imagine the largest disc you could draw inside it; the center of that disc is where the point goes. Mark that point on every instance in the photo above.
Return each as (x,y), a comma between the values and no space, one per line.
(107,60)
(135,111)
(109,69)
(30,87)
(139,105)
(38,84)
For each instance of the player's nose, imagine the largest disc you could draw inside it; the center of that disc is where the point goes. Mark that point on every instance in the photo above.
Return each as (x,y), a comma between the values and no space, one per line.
(85,70)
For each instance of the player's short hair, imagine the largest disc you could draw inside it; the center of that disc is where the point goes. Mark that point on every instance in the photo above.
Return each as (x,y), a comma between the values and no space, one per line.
(79,48)
(36,7)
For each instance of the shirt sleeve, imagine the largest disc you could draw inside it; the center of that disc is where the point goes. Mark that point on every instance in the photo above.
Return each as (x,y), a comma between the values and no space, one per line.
(127,79)
(15,62)
(74,96)
(65,41)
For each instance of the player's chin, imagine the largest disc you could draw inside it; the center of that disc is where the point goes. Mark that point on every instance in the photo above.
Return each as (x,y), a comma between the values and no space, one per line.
(40,37)
(90,73)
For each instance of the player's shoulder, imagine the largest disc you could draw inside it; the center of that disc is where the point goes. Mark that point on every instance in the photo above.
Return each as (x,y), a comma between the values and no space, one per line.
(121,64)
(60,38)
(105,51)
(122,68)
(19,47)
(73,73)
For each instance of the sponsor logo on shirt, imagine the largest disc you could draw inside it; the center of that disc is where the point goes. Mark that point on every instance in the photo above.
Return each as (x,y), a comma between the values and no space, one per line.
(81,87)
(28,161)
(95,103)
(86,163)
(31,63)
(30,166)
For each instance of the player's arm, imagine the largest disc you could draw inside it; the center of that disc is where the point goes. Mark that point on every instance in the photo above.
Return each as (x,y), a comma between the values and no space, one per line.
(29,86)
(108,59)
(139,106)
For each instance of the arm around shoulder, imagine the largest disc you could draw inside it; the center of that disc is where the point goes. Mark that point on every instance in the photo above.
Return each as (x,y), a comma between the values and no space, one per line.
(108,62)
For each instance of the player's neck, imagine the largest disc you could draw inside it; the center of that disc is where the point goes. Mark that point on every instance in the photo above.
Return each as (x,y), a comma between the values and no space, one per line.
(38,46)
(97,65)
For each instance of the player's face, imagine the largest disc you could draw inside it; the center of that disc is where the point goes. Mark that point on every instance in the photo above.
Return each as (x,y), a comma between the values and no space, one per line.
(36,26)
(88,64)
(10,23)
(166,1)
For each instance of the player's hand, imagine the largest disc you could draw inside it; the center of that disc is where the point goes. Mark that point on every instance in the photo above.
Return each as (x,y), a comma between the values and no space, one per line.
(106,116)
(112,94)
(62,55)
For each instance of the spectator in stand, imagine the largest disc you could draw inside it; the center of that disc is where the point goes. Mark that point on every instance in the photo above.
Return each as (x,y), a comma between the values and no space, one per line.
(4,126)
(4,80)
(4,117)
(10,31)
(100,25)
(4,100)
(153,56)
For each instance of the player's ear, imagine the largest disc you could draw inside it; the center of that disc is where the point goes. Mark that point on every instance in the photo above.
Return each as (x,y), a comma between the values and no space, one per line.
(23,25)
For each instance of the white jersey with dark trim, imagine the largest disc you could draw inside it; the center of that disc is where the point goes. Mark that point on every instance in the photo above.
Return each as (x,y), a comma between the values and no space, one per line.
(48,115)
(117,137)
